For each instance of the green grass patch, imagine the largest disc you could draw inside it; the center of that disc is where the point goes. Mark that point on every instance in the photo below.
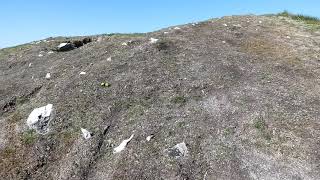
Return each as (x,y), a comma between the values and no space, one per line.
(29,137)
(262,127)
(12,50)
(179,100)
(260,124)
(228,131)
(300,17)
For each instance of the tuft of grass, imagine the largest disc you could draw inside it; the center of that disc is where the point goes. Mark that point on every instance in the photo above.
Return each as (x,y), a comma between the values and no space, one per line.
(300,17)
(262,127)
(260,124)
(15,117)
(181,124)
(68,136)
(179,100)
(228,131)
(136,111)
(163,45)
(8,151)
(29,137)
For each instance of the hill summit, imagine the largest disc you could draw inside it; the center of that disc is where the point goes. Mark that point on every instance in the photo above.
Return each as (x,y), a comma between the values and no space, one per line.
(236,97)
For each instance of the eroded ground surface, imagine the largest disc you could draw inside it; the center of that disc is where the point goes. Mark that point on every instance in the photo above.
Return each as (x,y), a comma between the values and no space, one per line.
(242,93)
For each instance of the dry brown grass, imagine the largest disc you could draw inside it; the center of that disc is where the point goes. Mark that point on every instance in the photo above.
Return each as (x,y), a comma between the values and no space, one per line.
(279,52)
(264,47)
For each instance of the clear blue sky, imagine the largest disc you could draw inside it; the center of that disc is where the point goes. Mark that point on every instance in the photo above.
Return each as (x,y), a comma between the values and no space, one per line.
(28,20)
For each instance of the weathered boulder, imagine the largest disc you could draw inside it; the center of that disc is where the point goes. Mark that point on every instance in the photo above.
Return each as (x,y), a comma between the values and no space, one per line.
(77,43)
(86,40)
(66,47)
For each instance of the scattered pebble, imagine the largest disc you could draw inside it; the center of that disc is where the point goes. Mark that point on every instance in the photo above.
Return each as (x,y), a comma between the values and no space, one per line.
(153,40)
(40,55)
(50,52)
(288,37)
(83,73)
(99,39)
(149,137)
(260,22)
(225,25)
(165,32)
(223,42)
(124,44)
(85,133)
(123,145)
(109,59)
(30,64)
(105,84)
(179,150)
(48,76)
(176,28)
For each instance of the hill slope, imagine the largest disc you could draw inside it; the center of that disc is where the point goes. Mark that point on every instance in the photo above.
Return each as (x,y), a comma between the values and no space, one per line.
(230,98)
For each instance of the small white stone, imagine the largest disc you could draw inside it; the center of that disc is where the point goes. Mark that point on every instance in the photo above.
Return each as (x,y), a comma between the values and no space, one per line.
(85,133)
(62,44)
(123,145)
(109,59)
(181,148)
(30,64)
(50,52)
(176,28)
(40,55)
(48,76)
(288,37)
(225,25)
(124,44)
(193,24)
(165,32)
(83,73)
(149,137)
(223,42)
(99,39)
(153,40)
(260,22)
